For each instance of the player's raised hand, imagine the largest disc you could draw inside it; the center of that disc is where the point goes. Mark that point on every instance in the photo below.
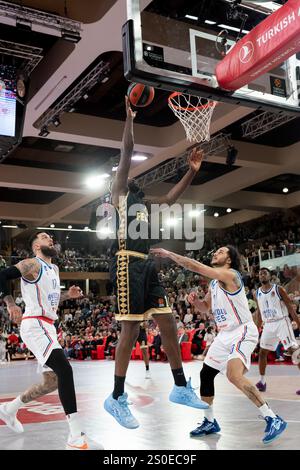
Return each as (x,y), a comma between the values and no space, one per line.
(192,298)
(75,292)
(195,159)
(131,114)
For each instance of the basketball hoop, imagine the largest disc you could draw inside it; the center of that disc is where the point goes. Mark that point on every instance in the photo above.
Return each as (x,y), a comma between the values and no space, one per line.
(194,113)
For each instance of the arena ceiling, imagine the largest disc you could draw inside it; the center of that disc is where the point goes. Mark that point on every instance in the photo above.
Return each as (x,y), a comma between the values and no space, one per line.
(43,180)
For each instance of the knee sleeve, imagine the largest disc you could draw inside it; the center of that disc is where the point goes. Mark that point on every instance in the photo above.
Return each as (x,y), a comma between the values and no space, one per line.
(59,364)
(207,377)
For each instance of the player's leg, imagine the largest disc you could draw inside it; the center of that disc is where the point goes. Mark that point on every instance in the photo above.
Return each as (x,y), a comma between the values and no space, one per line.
(60,365)
(182,392)
(268,342)
(145,354)
(8,411)
(41,338)
(116,404)
(207,391)
(238,363)
(129,334)
(287,337)
(262,365)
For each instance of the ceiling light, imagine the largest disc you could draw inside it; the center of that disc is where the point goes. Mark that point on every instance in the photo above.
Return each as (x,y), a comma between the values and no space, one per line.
(191,17)
(216,214)
(162,229)
(86,229)
(196,213)
(85,96)
(70,226)
(59,229)
(285,190)
(96,181)
(232,28)
(44,132)
(105,231)
(139,158)
(114,168)
(210,22)
(105,79)
(67,237)
(229,210)
(52,226)
(9,226)
(56,121)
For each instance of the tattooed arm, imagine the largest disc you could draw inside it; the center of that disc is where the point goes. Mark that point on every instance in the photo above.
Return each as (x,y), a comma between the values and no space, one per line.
(29,269)
(226,276)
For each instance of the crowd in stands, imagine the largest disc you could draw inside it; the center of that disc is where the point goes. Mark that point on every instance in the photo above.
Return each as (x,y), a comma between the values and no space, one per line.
(87,323)
(69,260)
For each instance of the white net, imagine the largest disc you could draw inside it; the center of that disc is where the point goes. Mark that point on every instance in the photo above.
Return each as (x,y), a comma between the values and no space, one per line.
(195,115)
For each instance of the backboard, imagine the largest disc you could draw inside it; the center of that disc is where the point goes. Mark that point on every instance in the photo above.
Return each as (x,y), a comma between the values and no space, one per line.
(176,45)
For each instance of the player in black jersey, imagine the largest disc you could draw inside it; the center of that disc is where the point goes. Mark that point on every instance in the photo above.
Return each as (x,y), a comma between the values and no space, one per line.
(139,293)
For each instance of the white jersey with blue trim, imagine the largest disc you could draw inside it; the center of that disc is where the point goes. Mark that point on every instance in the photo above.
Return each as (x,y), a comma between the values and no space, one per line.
(42,296)
(271,305)
(230,309)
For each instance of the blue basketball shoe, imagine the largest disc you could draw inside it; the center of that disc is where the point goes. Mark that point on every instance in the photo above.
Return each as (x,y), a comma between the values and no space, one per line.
(186,396)
(205,428)
(275,427)
(120,411)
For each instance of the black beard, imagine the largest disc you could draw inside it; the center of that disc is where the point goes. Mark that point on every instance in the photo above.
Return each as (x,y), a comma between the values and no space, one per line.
(265,282)
(49,252)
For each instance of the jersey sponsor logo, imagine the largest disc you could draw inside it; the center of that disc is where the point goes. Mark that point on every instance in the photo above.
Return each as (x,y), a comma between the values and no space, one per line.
(220,315)
(269,313)
(53,299)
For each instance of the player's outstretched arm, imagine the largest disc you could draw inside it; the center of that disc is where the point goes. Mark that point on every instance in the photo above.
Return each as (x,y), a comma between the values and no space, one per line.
(119,187)
(224,275)
(195,161)
(74,292)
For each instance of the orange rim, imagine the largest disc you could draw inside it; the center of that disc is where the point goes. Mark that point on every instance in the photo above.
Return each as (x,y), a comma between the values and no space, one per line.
(188,108)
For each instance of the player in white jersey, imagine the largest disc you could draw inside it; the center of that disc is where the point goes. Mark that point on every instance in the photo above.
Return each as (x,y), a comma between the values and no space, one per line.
(230,353)
(273,309)
(40,287)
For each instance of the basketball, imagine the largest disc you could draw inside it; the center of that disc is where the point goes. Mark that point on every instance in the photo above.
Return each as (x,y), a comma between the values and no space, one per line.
(140,95)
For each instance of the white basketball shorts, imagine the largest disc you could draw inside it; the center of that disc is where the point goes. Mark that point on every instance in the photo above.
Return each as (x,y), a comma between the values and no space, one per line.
(233,344)
(280,330)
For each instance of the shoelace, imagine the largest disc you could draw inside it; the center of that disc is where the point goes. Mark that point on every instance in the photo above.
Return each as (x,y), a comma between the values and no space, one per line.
(124,404)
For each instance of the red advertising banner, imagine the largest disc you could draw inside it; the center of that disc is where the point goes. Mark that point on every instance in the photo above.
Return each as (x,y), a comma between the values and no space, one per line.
(269,44)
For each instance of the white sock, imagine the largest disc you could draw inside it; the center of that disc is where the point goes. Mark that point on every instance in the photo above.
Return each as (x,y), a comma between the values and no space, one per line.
(266,411)
(75,424)
(209,414)
(263,379)
(13,406)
